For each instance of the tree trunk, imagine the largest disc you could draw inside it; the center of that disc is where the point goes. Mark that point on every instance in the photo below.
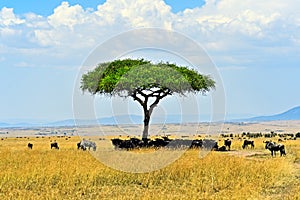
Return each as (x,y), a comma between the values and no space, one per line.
(148,112)
(146,125)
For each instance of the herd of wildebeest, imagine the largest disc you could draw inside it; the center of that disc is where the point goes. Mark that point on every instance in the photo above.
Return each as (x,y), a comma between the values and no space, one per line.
(207,144)
(166,142)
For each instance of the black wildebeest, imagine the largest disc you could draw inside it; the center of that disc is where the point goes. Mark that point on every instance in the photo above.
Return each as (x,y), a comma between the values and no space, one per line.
(247,143)
(222,148)
(181,143)
(122,144)
(29,145)
(227,144)
(158,142)
(273,147)
(54,145)
(196,143)
(78,145)
(210,144)
(137,143)
(116,142)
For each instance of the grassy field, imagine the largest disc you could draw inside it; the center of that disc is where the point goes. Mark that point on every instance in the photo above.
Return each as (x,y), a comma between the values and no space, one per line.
(68,173)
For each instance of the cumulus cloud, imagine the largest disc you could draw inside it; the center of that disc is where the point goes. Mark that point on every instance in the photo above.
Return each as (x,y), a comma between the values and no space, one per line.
(221,26)
(7,20)
(247,19)
(8,17)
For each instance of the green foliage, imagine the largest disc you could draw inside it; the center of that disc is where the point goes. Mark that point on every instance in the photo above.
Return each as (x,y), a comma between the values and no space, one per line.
(130,75)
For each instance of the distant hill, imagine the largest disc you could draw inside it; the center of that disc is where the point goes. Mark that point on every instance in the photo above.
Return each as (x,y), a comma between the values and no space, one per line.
(17,125)
(122,119)
(292,114)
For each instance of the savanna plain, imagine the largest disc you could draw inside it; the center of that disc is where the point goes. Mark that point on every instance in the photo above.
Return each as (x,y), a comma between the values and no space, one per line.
(69,173)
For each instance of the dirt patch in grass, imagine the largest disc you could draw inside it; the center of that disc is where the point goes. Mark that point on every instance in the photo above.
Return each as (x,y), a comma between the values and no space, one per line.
(249,154)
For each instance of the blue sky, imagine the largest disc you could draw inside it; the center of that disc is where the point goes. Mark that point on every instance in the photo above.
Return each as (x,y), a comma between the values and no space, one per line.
(43,44)
(46,8)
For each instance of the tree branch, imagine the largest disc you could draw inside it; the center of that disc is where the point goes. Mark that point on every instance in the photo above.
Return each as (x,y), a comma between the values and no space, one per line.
(159,94)
(158,98)
(135,98)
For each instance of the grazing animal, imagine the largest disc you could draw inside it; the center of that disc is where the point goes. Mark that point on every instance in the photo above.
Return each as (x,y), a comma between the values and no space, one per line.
(247,143)
(222,148)
(78,145)
(158,142)
(132,143)
(227,143)
(137,143)
(210,144)
(166,138)
(84,144)
(273,147)
(29,145)
(182,143)
(54,145)
(116,142)
(197,143)
(122,144)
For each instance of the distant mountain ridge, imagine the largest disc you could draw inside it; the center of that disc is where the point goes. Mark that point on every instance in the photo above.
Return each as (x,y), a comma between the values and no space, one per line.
(122,119)
(292,114)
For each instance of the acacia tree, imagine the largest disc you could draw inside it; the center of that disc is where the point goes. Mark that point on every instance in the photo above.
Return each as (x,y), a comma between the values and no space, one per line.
(145,82)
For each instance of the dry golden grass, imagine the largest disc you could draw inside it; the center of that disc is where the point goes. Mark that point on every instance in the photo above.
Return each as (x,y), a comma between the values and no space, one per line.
(42,173)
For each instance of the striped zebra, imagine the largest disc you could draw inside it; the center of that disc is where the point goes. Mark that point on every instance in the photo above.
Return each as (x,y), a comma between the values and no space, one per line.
(86,144)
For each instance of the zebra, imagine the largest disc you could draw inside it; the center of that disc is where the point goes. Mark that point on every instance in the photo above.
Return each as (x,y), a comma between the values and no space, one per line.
(84,144)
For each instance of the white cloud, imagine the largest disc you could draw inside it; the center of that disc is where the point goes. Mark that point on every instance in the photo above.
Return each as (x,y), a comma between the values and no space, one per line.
(222,27)
(142,13)
(8,18)
(66,15)
(35,21)
(7,32)
(241,19)
(237,35)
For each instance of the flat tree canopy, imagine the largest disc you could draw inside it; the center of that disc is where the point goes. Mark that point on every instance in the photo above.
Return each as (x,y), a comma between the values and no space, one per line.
(145,82)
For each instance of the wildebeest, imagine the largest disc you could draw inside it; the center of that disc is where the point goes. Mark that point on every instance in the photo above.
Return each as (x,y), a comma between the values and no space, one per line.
(247,143)
(122,144)
(158,142)
(197,143)
(134,142)
(227,143)
(137,143)
(181,143)
(273,147)
(86,144)
(164,141)
(54,145)
(116,142)
(29,145)
(210,144)
(78,145)
(222,148)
